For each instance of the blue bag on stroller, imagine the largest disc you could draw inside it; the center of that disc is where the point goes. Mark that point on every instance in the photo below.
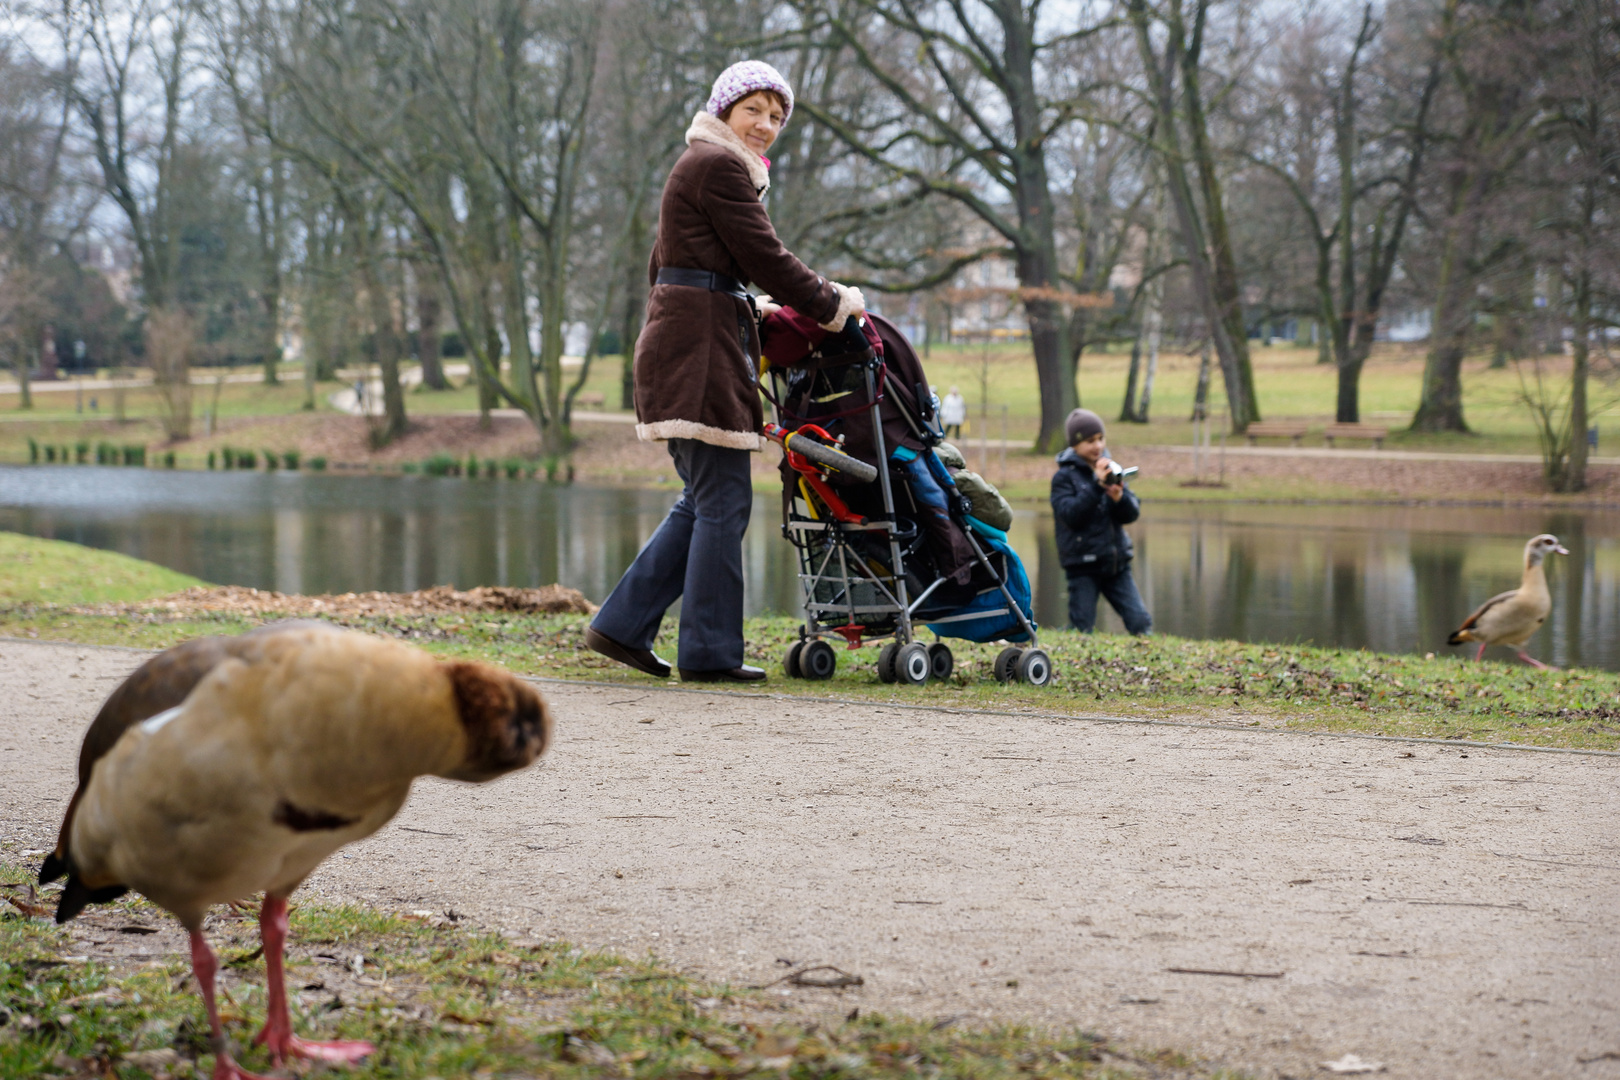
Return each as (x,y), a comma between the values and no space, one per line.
(985,617)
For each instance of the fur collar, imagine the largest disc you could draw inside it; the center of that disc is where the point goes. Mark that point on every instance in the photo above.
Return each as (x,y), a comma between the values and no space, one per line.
(712,129)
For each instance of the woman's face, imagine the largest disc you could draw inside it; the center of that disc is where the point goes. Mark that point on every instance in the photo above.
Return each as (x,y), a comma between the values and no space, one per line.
(757,119)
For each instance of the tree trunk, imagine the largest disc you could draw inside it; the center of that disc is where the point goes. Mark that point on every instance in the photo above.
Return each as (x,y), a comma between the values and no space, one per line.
(25,393)
(1575,473)
(1440,407)
(1201,393)
(1348,410)
(429,320)
(272,333)
(1127,411)
(1155,324)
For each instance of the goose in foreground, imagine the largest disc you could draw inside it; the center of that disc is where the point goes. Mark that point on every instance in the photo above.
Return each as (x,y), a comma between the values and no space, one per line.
(226,767)
(1511,618)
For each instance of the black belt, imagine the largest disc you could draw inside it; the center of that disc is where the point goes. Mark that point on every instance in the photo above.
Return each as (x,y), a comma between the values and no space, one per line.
(701,279)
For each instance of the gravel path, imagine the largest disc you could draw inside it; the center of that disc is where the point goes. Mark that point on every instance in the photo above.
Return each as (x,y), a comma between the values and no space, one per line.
(1449,912)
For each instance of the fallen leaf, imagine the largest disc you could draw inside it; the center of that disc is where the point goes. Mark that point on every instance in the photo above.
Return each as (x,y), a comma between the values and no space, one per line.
(1351,1065)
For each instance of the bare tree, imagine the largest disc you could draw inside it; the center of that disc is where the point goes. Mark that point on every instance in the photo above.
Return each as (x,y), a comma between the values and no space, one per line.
(970,87)
(34,126)
(1171,51)
(1343,170)
(1491,74)
(130,54)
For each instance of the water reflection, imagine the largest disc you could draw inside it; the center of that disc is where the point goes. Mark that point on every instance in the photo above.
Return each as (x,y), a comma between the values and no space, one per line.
(1388,578)
(1394,579)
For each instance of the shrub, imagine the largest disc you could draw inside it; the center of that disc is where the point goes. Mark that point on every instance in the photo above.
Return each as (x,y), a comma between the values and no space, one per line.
(410,468)
(472,467)
(50,455)
(210,459)
(247,459)
(33,451)
(168,459)
(439,465)
(514,468)
(318,464)
(289,459)
(271,460)
(490,469)
(134,455)
(81,452)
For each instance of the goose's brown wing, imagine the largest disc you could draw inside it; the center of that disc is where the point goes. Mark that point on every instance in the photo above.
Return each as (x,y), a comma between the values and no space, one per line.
(1473,620)
(161,683)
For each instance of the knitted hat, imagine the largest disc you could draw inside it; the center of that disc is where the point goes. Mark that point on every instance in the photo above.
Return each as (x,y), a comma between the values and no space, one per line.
(744,78)
(1082,424)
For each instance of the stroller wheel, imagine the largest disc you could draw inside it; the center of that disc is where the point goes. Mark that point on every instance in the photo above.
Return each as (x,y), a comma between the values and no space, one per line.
(1007,662)
(940,661)
(790,662)
(912,663)
(817,660)
(1034,667)
(887,672)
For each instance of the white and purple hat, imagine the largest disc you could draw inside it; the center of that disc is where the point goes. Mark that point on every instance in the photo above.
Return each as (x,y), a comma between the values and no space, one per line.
(744,78)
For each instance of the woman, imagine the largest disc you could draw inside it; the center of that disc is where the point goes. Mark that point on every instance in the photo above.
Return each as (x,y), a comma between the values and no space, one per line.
(697,382)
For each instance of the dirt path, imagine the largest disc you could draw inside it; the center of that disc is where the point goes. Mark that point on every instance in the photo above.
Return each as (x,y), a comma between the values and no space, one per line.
(1449,912)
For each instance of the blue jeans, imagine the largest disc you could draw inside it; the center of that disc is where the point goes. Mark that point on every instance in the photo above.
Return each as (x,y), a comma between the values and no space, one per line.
(695,556)
(1120,589)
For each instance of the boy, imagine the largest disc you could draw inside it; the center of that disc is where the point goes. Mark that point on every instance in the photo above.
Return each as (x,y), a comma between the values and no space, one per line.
(1091,540)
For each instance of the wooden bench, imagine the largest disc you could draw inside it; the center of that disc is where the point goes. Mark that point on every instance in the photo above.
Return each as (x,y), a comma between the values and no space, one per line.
(1357,431)
(1279,430)
(590,397)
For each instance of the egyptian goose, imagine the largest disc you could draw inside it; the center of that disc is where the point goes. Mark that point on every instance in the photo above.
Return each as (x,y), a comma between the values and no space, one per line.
(230,766)
(1512,617)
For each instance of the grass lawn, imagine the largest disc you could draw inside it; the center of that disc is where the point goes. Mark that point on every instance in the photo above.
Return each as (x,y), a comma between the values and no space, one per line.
(440,1000)
(1299,688)
(1291,385)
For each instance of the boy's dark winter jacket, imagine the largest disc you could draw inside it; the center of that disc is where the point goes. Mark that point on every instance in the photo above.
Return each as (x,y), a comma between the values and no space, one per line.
(1090,526)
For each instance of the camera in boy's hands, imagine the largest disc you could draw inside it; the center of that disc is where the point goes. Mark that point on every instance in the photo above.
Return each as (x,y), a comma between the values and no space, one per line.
(1113,473)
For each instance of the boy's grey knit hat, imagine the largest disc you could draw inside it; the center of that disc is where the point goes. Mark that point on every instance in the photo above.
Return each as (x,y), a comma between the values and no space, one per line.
(1082,425)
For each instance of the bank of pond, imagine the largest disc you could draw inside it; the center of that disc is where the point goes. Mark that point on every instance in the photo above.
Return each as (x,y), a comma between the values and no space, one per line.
(1388,578)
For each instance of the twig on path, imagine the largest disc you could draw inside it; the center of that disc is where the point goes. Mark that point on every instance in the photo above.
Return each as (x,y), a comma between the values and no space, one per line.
(1230,974)
(1607,1055)
(429,832)
(808,977)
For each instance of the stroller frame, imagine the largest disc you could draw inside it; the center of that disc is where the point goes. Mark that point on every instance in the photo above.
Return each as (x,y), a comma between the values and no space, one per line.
(833,574)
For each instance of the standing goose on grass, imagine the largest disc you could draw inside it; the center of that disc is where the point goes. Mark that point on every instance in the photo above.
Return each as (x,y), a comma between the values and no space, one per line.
(230,766)
(1512,617)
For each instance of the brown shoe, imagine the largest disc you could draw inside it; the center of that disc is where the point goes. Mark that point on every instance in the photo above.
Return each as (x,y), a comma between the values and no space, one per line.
(640,659)
(746,673)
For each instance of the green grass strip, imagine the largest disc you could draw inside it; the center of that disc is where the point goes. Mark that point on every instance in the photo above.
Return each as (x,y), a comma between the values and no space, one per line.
(444,1000)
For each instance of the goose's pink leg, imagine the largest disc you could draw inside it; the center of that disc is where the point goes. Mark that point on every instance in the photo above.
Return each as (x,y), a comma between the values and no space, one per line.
(1481,654)
(277,1034)
(1533,662)
(205,966)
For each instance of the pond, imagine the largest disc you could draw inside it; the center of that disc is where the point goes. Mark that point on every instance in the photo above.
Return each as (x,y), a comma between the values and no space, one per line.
(1395,579)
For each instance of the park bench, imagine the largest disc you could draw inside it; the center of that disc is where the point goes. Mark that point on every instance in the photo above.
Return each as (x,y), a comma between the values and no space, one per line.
(1356,431)
(1275,430)
(590,397)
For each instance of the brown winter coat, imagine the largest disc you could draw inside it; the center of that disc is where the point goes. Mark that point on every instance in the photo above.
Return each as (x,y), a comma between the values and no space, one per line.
(696,376)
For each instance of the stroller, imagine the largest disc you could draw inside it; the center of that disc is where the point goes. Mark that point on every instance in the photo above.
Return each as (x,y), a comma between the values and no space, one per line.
(885,541)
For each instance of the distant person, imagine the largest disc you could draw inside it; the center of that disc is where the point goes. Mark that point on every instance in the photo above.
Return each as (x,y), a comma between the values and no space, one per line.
(1092,509)
(952,414)
(697,383)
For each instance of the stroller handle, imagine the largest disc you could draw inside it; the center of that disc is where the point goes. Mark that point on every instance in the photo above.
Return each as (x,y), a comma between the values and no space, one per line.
(821,453)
